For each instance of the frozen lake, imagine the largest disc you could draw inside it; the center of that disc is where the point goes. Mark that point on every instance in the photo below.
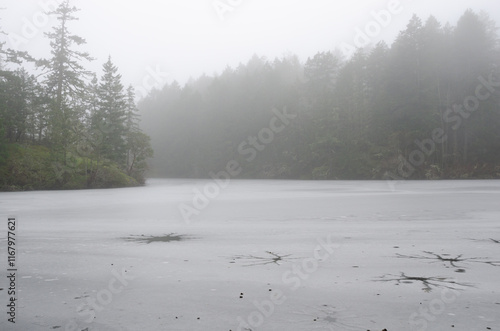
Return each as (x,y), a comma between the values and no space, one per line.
(258,255)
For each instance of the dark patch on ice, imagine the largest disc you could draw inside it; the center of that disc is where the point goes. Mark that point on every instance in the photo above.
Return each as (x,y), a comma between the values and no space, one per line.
(428,282)
(165,238)
(496,241)
(334,318)
(450,261)
(259,260)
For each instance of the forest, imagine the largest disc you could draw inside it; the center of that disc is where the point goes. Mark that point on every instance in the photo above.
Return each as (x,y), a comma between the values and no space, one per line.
(64,127)
(425,107)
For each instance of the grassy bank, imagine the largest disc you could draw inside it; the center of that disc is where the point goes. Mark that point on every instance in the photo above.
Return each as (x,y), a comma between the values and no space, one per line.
(32,167)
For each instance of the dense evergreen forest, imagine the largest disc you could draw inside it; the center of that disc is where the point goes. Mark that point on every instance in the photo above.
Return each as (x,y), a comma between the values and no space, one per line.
(64,127)
(425,107)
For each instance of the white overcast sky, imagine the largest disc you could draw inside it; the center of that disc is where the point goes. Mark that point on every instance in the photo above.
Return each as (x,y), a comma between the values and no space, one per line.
(186,38)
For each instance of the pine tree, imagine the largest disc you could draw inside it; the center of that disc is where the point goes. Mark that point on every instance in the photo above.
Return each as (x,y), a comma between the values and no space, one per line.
(131,124)
(64,78)
(111,114)
(21,106)
(131,111)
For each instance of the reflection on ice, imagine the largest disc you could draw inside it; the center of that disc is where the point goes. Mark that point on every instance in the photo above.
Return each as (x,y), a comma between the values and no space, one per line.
(252,260)
(453,261)
(428,282)
(165,239)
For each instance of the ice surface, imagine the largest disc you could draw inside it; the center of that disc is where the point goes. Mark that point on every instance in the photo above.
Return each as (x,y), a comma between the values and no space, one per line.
(311,255)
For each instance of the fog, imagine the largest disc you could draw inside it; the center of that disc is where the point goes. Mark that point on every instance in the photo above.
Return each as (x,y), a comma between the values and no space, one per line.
(249,165)
(185,39)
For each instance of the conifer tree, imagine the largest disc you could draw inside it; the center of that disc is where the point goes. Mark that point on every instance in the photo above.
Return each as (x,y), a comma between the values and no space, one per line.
(111,114)
(64,78)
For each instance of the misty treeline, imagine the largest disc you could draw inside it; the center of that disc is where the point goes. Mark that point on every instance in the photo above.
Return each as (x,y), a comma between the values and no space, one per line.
(428,106)
(64,126)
